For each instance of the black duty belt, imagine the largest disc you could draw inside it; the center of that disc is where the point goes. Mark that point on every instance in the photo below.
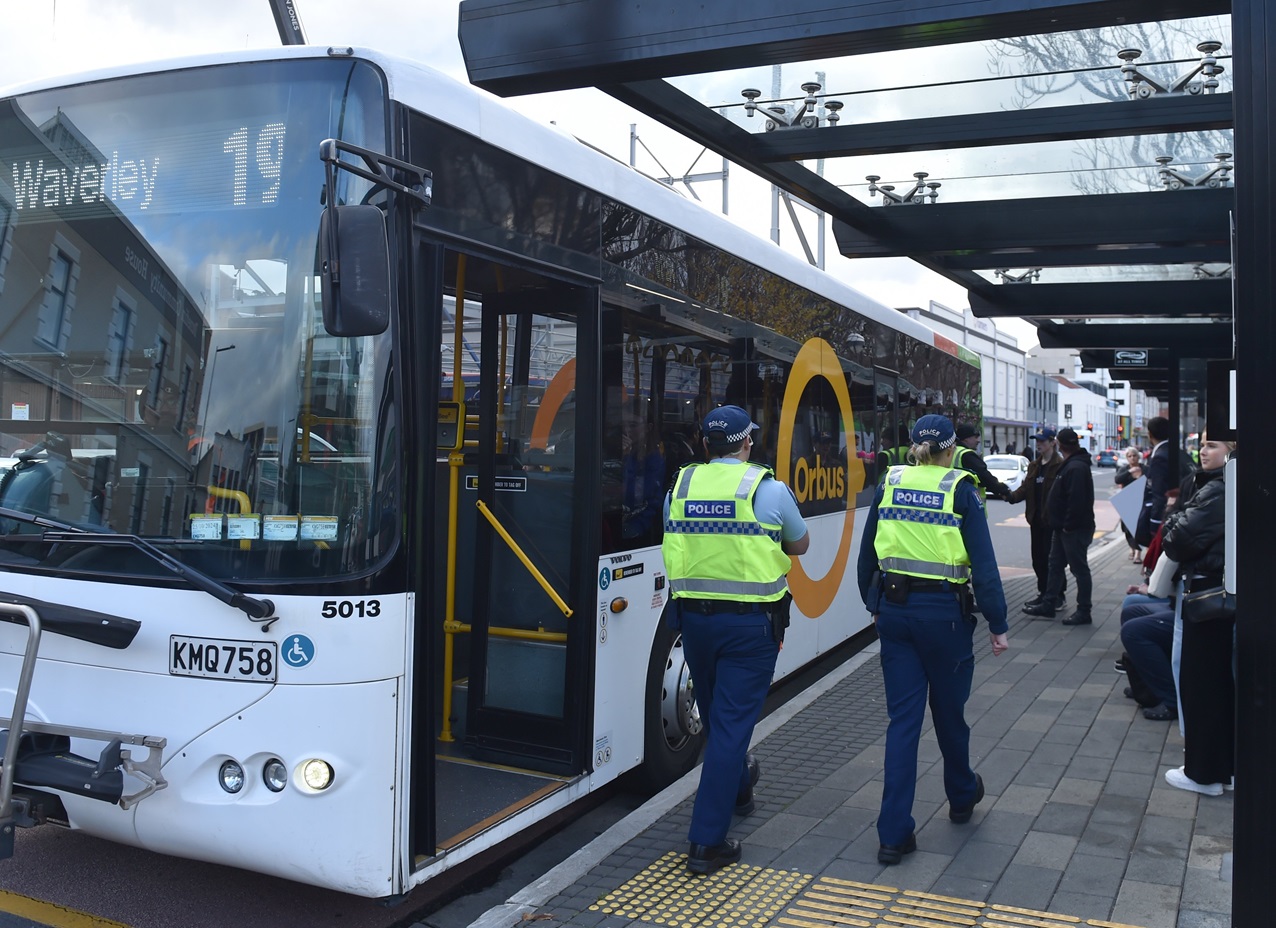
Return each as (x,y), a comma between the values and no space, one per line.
(719,606)
(923,585)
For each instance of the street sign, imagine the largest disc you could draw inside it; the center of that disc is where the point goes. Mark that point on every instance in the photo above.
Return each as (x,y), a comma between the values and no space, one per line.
(1130,357)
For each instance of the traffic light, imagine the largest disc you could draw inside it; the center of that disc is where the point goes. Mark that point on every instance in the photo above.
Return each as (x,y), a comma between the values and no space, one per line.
(1120,428)
(1089,426)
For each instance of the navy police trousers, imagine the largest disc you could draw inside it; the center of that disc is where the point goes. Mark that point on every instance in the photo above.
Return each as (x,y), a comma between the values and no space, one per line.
(926,652)
(732,659)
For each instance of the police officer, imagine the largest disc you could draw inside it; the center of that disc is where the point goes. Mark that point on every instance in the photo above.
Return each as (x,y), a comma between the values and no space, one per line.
(730,527)
(896,452)
(967,458)
(925,541)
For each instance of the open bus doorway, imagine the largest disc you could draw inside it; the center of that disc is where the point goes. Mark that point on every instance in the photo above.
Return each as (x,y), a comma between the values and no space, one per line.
(514,643)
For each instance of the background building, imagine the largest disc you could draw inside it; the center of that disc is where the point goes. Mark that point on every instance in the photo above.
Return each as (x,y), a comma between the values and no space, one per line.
(1006,420)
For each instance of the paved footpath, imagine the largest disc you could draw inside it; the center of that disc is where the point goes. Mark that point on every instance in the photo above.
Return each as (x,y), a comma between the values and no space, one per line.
(1079,826)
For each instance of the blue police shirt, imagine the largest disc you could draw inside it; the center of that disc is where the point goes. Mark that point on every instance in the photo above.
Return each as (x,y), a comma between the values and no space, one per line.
(983,560)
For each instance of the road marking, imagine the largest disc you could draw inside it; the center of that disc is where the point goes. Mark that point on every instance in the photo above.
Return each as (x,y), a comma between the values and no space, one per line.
(54,916)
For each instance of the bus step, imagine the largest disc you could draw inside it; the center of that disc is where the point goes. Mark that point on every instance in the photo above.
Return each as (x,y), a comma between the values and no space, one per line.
(45,761)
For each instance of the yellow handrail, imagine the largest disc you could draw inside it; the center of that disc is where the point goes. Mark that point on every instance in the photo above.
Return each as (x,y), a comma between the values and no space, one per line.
(531,568)
(245,507)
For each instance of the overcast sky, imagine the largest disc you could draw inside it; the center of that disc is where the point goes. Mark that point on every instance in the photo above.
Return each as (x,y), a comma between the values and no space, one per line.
(48,37)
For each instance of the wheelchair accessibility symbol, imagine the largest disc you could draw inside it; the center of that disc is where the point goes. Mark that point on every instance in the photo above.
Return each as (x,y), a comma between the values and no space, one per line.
(298,651)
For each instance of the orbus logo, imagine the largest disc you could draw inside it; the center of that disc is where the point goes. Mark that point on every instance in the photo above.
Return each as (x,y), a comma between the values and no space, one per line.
(818,481)
(814,595)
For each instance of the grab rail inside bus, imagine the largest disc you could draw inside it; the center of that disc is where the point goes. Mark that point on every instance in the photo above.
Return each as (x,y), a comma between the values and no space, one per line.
(522,556)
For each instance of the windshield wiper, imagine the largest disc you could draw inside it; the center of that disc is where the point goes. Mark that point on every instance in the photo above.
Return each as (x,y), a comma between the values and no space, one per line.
(259,610)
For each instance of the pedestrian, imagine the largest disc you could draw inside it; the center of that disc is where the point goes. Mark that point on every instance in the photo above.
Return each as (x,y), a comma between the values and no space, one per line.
(730,528)
(967,458)
(1160,480)
(1070,509)
(1195,536)
(926,542)
(1033,492)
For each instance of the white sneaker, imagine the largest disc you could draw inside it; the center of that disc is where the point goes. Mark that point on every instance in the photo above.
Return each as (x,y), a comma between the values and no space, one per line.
(1177,777)
(1230,784)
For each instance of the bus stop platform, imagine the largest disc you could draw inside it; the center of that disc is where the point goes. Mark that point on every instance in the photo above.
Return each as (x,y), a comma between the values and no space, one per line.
(1078,826)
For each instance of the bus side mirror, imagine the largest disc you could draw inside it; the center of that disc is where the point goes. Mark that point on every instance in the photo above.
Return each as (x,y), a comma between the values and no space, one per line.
(354,264)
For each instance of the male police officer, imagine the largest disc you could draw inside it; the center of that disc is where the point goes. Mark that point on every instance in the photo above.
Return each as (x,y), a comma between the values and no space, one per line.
(967,458)
(730,527)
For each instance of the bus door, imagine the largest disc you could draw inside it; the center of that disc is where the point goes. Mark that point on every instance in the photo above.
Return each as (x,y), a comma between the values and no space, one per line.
(513,521)
(889,418)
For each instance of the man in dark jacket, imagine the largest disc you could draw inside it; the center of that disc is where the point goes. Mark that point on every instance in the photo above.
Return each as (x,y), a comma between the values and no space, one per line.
(1070,510)
(1033,492)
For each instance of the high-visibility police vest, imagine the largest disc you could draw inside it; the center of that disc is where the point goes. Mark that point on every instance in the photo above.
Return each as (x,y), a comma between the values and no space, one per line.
(962,451)
(918,533)
(714,546)
(891,457)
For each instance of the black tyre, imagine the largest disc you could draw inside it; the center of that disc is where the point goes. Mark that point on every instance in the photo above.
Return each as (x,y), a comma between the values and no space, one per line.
(672,730)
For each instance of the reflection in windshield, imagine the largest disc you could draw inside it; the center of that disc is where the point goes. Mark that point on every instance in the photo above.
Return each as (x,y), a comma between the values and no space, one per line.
(164,370)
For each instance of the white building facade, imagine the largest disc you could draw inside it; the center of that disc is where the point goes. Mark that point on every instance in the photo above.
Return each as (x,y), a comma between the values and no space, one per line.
(1005,389)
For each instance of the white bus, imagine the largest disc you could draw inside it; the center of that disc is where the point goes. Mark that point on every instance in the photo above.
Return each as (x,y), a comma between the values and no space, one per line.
(342,401)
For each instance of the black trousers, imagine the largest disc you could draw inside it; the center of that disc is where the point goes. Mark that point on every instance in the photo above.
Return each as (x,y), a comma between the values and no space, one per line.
(1209,702)
(1041,555)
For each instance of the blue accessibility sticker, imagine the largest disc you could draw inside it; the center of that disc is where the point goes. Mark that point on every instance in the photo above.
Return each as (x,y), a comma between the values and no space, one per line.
(298,651)
(604,578)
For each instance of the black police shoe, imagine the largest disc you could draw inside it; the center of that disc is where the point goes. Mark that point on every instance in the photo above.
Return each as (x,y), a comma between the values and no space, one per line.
(744,804)
(961,815)
(1034,602)
(891,854)
(1078,618)
(704,859)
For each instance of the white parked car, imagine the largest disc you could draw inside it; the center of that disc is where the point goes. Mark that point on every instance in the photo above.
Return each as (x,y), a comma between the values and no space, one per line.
(1010,469)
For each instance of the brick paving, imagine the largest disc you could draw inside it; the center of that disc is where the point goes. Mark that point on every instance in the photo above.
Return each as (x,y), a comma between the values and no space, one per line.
(1078,819)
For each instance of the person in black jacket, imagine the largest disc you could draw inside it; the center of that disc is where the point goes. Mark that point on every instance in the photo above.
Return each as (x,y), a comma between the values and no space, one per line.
(1070,510)
(1193,535)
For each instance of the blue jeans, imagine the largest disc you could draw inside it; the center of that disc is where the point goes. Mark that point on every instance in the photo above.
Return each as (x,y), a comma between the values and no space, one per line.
(927,655)
(732,660)
(1147,640)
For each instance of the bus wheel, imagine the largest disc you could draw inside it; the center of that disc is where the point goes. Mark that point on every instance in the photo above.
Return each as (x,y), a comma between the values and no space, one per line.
(672,731)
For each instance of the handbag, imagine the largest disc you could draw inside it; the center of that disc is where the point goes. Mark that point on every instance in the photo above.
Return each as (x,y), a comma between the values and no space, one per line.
(1209,605)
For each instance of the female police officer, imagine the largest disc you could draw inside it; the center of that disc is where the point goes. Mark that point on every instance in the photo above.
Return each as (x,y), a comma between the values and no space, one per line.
(926,539)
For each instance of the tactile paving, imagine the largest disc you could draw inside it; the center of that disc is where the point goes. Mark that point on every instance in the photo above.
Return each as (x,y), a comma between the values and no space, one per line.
(744,896)
(738,896)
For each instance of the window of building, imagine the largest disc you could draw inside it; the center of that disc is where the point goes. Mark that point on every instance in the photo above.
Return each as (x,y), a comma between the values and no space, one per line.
(155,385)
(54,326)
(119,337)
(6,230)
(183,399)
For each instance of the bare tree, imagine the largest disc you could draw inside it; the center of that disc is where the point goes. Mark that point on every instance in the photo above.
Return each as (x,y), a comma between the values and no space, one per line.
(1085,64)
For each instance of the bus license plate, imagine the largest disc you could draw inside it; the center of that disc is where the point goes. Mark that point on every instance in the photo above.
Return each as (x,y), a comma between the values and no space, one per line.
(223,659)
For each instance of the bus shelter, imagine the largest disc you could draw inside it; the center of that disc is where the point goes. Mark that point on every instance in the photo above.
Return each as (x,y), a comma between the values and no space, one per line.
(1106,178)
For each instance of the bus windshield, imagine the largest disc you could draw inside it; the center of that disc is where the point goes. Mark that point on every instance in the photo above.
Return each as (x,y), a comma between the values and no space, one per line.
(164,370)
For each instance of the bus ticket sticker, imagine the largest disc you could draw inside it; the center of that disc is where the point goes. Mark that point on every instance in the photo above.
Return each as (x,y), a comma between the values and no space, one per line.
(318,528)
(279,528)
(243,526)
(205,527)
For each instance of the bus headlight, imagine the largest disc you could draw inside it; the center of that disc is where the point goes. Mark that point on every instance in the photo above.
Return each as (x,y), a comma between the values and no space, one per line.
(231,776)
(275,774)
(316,774)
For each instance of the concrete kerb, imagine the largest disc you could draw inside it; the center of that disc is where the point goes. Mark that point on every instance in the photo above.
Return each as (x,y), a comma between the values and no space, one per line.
(534,895)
